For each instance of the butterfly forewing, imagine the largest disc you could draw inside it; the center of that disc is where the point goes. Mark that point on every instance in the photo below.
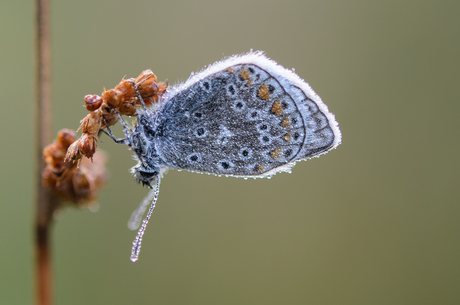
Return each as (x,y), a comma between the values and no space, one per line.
(241,121)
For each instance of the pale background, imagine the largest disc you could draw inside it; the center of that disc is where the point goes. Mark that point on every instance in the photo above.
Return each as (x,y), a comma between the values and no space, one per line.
(374,222)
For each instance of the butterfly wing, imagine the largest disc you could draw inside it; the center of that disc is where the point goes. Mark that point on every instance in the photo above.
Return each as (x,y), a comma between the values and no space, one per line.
(246,116)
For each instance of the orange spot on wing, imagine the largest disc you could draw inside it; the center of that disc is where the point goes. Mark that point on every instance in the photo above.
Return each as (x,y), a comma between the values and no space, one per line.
(230,70)
(263,92)
(244,74)
(285,122)
(276,153)
(277,108)
(287,137)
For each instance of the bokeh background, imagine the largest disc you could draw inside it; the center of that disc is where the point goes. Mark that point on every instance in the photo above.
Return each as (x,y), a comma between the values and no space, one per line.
(374,222)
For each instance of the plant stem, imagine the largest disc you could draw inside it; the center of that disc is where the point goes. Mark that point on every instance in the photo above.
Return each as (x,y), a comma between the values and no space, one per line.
(45,200)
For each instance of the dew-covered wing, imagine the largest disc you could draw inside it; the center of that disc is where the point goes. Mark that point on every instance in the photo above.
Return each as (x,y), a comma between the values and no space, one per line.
(243,121)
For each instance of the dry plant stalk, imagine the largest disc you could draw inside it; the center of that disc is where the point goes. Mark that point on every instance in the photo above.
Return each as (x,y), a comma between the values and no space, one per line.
(124,99)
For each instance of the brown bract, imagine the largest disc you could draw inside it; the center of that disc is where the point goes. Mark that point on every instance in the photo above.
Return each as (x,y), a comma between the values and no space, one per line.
(67,180)
(124,99)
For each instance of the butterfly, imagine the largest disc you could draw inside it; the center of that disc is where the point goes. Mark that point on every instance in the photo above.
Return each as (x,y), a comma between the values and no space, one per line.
(245,116)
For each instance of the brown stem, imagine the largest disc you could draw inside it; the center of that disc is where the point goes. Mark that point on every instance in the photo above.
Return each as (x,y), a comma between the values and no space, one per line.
(43,267)
(45,201)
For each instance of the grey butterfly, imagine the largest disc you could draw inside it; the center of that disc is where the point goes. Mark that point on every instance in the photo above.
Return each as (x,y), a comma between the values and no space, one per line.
(245,116)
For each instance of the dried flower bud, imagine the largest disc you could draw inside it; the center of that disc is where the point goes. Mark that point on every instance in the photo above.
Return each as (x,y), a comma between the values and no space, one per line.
(91,123)
(110,98)
(78,184)
(146,83)
(125,90)
(87,145)
(144,76)
(127,109)
(73,152)
(65,137)
(93,102)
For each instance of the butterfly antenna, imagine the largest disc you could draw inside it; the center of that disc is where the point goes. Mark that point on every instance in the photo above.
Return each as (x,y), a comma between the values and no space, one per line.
(136,249)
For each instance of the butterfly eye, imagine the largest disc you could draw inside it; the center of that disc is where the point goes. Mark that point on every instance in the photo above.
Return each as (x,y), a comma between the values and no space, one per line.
(149,131)
(145,177)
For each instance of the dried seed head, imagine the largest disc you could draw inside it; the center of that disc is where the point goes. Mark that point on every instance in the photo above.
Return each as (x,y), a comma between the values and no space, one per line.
(93,102)
(91,123)
(127,108)
(125,90)
(124,99)
(87,145)
(70,182)
(110,98)
(65,137)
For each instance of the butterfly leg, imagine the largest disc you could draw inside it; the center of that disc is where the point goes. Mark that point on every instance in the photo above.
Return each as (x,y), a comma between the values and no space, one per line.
(139,96)
(122,121)
(111,135)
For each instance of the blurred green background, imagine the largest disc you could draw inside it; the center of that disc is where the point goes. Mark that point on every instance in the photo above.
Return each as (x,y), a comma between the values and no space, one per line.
(374,222)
